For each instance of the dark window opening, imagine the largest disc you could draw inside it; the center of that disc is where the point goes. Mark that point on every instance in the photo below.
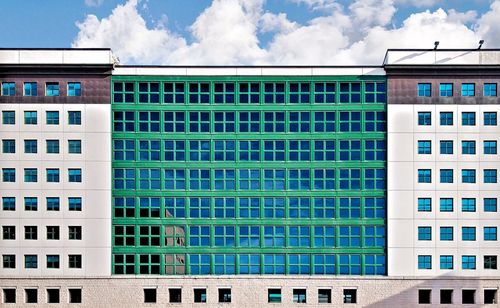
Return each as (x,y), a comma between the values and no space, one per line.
(324,296)
(424,296)
(274,295)
(224,295)
(468,296)
(175,295)
(446,297)
(490,296)
(150,295)
(350,296)
(53,296)
(299,296)
(200,295)
(31,296)
(75,295)
(9,296)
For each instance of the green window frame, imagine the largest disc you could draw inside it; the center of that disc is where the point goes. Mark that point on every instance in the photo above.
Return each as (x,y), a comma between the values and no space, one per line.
(149,235)
(324,236)
(299,121)
(299,207)
(174,121)
(175,207)
(148,93)
(274,93)
(249,92)
(224,93)
(299,236)
(224,236)
(324,121)
(299,264)
(124,235)
(249,207)
(324,179)
(274,236)
(249,236)
(199,93)
(299,93)
(324,207)
(224,121)
(174,93)
(324,92)
(123,92)
(299,179)
(174,236)
(350,92)
(249,121)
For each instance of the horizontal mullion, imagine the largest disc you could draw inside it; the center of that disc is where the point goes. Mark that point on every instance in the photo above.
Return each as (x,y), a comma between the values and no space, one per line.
(256,78)
(252,165)
(248,107)
(248,193)
(251,222)
(250,136)
(253,250)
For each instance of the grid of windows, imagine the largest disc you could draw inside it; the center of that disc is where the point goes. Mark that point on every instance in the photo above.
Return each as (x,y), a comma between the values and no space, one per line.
(251,153)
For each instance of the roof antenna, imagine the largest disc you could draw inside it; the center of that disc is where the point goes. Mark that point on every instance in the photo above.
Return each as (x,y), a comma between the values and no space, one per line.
(481,42)
(436,44)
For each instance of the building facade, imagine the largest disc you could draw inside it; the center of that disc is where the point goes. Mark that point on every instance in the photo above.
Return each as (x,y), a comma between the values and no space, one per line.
(135,185)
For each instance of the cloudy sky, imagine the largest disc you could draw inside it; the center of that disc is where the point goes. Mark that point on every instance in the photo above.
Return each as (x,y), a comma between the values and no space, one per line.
(288,32)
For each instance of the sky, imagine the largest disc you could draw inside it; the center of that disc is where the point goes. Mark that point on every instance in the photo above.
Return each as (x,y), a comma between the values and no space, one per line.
(246,32)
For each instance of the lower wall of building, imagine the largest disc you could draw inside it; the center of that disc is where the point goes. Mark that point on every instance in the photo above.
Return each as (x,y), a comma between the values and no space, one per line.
(251,291)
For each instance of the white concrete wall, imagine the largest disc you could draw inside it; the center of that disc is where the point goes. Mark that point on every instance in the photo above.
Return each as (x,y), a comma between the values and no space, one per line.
(95,190)
(404,190)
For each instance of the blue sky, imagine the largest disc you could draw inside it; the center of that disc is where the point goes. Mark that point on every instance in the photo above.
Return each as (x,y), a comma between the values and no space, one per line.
(268,33)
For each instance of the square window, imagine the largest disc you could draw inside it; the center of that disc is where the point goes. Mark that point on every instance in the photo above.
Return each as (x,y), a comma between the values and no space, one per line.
(424,147)
(446,118)
(424,176)
(350,296)
(74,146)
(490,296)
(8,261)
(150,295)
(446,296)
(52,146)
(74,89)
(324,296)
(224,295)
(468,176)
(30,89)
(446,233)
(469,262)
(468,296)
(52,261)
(424,262)
(274,295)
(175,295)
(468,234)
(123,92)
(424,89)
(75,296)
(30,118)
(490,262)
(74,117)
(299,296)
(490,233)
(468,89)
(75,175)
(424,296)
(424,118)
(446,89)
(8,203)
(53,296)
(52,89)
(446,147)
(8,146)
(490,89)
(8,88)
(52,117)
(490,176)
(424,233)
(446,176)
(490,147)
(8,117)
(468,118)
(446,262)
(490,119)
(8,175)
(200,295)
(424,204)
(9,296)
(31,296)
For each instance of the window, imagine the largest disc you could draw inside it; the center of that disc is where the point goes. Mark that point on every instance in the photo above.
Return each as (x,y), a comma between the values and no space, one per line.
(149,150)
(8,146)
(224,150)
(490,204)
(350,296)
(249,92)
(52,175)
(224,93)
(274,122)
(490,262)
(446,296)
(446,233)
(30,203)
(299,122)
(8,117)
(30,232)
(468,233)
(175,295)
(249,237)
(75,117)
(324,121)
(123,92)
(424,262)
(468,118)
(52,89)
(468,89)
(274,236)
(446,147)
(490,296)
(446,89)
(349,179)
(8,203)
(30,89)
(9,232)
(468,176)
(324,92)
(199,93)
(53,232)
(9,261)
(75,175)
(30,175)
(274,295)
(224,122)
(8,88)
(200,295)
(446,118)
(174,121)
(173,92)
(299,93)
(75,146)
(149,92)
(52,261)
(299,296)
(424,175)
(75,232)
(249,207)
(224,295)
(199,122)
(446,262)
(52,117)
(468,204)
(174,150)
(375,92)
(274,150)
(324,296)
(30,118)
(75,296)
(424,233)
(424,204)
(53,296)
(249,122)
(30,146)
(8,174)
(52,203)
(424,296)
(490,147)
(424,118)
(149,121)
(224,236)
(274,93)
(424,147)
(446,175)
(490,233)
(31,296)
(468,296)
(351,121)
(9,296)
(490,176)
(424,89)
(350,92)
(52,146)
(75,203)
(490,119)
(350,207)
(350,150)
(490,89)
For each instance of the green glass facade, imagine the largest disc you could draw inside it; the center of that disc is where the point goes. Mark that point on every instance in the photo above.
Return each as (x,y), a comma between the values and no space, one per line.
(249,175)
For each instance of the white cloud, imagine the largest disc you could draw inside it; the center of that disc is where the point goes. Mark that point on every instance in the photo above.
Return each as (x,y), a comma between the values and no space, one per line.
(318,4)
(420,3)
(94,3)
(227,32)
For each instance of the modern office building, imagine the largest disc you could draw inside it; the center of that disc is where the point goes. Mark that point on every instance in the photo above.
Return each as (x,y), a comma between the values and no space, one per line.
(248,186)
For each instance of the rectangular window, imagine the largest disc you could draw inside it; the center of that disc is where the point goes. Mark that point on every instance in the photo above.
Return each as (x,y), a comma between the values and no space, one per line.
(350,92)
(468,233)
(75,232)
(274,207)
(224,150)
(8,175)
(30,175)
(490,119)
(446,118)
(8,203)
(52,117)
(490,233)
(30,232)
(446,262)
(424,89)
(53,233)
(9,232)
(446,233)
(424,147)
(8,88)
(490,89)
(490,147)
(274,122)
(149,92)
(490,204)
(52,175)
(424,262)
(446,147)
(468,262)
(299,122)
(374,122)
(299,93)
(30,146)
(324,121)
(424,118)
(9,261)
(274,93)
(424,176)
(30,89)
(199,122)
(224,93)
(468,204)
(468,118)
(349,179)
(199,93)
(174,121)
(224,122)
(490,176)
(424,204)
(299,207)
(249,92)
(468,89)
(30,203)
(75,203)
(53,203)
(123,92)
(199,207)
(324,92)
(424,233)
(30,261)
(174,150)
(8,117)
(351,121)
(74,146)
(446,89)
(8,146)
(375,92)
(75,175)
(124,149)
(299,150)
(52,261)
(149,121)
(52,146)
(149,150)
(249,122)
(75,117)
(468,176)
(249,236)
(173,92)
(30,118)
(490,262)
(52,89)
(249,207)
(446,175)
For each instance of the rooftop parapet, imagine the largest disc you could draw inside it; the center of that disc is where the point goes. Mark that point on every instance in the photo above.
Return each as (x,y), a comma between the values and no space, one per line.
(442,57)
(70,56)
